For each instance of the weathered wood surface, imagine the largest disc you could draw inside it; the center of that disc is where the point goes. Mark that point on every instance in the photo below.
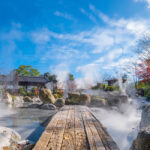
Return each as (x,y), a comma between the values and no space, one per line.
(75,128)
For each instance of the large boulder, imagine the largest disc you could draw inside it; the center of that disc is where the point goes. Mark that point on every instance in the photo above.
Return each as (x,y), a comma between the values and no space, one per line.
(145,119)
(8,98)
(78,99)
(142,142)
(60,102)
(27,99)
(47,96)
(36,100)
(48,107)
(18,101)
(8,137)
(98,101)
(115,100)
(84,99)
(73,98)
(35,105)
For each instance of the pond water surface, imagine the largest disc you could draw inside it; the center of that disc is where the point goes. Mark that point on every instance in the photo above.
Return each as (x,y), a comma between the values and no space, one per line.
(27,122)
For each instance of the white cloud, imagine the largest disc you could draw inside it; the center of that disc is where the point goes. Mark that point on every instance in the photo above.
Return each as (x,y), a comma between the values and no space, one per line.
(147,1)
(107,48)
(64,15)
(90,16)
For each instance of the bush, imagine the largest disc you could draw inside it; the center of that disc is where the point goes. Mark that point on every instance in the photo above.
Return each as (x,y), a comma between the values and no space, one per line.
(109,88)
(145,87)
(105,87)
(23,91)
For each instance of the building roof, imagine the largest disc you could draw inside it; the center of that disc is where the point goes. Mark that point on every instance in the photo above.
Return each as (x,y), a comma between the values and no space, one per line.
(32,79)
(22,80)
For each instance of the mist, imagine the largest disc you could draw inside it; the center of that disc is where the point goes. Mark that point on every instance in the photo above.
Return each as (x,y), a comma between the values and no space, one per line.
(122,126)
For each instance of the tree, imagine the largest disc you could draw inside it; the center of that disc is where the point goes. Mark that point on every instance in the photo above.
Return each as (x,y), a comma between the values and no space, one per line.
(52,79)
(143,71)
(71,77)
(143,50)
(70,82)
(24,70)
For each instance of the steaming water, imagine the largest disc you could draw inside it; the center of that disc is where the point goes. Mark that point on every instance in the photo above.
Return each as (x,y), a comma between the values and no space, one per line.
(26,121)
(122,126)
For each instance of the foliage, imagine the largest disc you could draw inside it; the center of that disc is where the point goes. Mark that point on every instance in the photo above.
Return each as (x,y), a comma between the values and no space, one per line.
(71,77)
(143,71)
(24,70)
(23,91)
(105,87)
(32,92)
(50,78)
(58,93)
(145,87)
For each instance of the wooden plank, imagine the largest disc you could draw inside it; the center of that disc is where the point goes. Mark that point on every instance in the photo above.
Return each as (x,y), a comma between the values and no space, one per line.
(57,136)
(96,140)
(44,139)
(75,128)
(81,142)
(69,136)
(106,138)
(88,132)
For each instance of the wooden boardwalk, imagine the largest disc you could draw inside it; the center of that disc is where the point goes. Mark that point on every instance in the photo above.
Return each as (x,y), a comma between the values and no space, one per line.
(75,128)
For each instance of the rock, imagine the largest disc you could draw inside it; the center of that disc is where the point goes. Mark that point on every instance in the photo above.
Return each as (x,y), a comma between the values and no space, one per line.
(36,100)
(145,119)
(47,96)
(27,99)
(35,105)
(18,101)
(48,107)
(60,102)
(8,137)
(98,101)
(8,98)
(140,92)
(55,95)
(115,100)
(23,145)
(73,98)
(76,98)
(142,142)
(84,99)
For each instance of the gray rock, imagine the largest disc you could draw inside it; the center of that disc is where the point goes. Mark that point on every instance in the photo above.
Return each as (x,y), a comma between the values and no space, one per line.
(84,99)
(48,107)
(142,142)
(27,99)
(47,96)
(115,100)
(145,119)
(60,102)
(8,98)
(98,101)
(8,136)
(35,106)
(78,99)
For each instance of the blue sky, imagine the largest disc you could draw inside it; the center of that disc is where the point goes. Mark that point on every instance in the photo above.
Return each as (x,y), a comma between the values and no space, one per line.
(85,37)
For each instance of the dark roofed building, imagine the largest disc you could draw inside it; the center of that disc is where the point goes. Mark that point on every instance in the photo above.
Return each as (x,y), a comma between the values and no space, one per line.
(33,81)
(22,80)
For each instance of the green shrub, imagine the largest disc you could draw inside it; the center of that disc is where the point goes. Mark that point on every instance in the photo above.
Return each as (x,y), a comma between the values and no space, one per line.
(23,91)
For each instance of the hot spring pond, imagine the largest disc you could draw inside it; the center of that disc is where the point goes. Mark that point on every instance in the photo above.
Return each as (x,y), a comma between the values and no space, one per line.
(26,121)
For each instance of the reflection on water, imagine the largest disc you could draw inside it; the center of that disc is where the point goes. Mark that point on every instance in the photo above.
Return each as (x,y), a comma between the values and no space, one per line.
(26,121)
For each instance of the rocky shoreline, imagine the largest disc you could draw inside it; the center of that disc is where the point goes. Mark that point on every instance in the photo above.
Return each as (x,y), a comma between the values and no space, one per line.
(142,141)
(47,101)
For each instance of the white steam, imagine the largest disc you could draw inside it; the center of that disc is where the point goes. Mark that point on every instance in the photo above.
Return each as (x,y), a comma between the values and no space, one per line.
(122,126)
